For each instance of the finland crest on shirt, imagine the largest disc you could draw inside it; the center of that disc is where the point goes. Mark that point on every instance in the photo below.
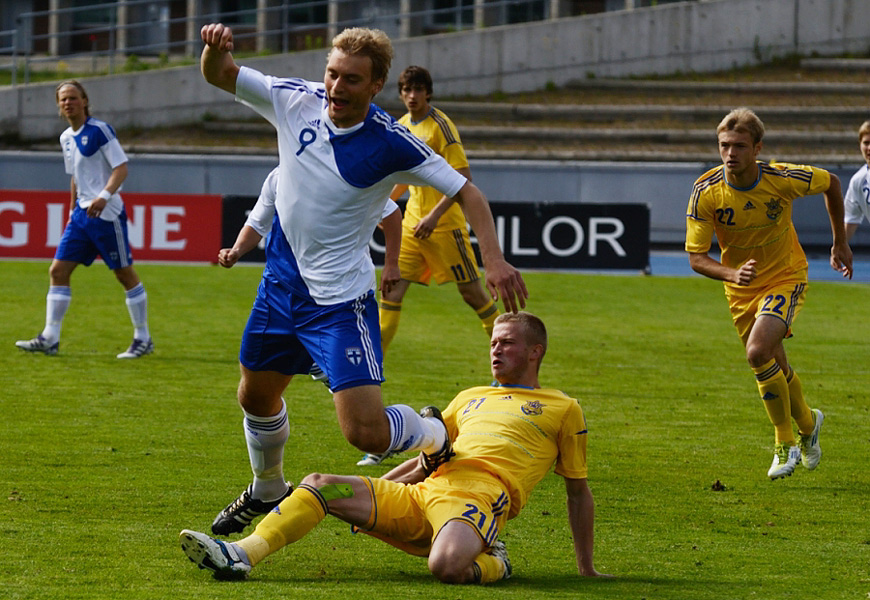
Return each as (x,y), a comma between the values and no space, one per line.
(333,184)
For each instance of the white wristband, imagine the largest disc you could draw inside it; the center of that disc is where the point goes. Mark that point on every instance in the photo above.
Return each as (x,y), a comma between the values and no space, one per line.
(105,195)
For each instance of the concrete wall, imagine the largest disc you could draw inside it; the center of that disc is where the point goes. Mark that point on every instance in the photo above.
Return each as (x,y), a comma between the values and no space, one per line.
(665,187)
(689,36)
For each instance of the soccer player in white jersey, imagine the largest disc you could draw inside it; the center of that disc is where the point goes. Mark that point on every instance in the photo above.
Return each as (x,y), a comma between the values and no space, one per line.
(94,159)
(339,157)
(857,199)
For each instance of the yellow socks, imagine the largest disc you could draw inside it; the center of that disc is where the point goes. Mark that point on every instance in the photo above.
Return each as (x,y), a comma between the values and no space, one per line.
(389,314)
(800,410)
(774,392)
(487,316)
(488,568)
(298,514)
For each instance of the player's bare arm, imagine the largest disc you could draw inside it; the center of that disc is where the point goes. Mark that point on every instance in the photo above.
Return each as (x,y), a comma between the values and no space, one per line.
(410,471)
(424,228)
(703,264)
(392,228)
(216,62)
(581,518)
(246,241)
(841,253)
(502,279)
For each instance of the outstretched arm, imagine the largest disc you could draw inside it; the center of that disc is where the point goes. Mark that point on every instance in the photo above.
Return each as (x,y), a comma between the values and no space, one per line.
(841,253)
(502,279)
(216,63)
(581,517)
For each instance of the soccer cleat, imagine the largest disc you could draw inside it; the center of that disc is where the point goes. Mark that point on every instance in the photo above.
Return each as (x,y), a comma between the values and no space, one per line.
(241,511)
(785,459)
(499,551)
(225,560)
(38,344)
(811,451)
(138,348)
(436,459)
(370,459)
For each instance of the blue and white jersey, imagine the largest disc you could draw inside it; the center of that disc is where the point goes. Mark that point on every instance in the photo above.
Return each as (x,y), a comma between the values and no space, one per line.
(857,199)
(263,214)
(333,184)
(89,155)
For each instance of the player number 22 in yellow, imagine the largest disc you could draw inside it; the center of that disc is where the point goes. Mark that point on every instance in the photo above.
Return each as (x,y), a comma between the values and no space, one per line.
(773,304)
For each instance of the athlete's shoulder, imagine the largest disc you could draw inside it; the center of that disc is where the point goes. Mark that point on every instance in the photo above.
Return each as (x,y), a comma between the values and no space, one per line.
(94,126)
(391,133)
(710,178)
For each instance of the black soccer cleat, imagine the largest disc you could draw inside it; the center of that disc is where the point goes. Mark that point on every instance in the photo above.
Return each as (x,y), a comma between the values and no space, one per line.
(436,459)
(241,511)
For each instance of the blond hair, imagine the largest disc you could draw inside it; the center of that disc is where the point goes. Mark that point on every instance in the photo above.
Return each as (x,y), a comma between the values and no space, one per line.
(362,41)
(742,120)
(533,328)
(863,130)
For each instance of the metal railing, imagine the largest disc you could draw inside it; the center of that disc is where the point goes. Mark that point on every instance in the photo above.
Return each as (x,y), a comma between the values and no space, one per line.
(100,35)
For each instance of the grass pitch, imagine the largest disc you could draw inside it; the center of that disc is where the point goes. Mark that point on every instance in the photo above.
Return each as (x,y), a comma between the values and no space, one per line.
(103,461)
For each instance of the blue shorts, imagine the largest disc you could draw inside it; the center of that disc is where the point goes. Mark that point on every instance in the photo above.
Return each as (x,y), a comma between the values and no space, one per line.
(84,238)
(287,333)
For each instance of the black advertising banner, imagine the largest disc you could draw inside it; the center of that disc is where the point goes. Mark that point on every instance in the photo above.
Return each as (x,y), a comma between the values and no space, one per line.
(566,236)
(532,235)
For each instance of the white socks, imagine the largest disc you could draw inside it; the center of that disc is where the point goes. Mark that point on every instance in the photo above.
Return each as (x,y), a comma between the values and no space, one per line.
(266,437)
(56,303)
(410,431)
(137,306)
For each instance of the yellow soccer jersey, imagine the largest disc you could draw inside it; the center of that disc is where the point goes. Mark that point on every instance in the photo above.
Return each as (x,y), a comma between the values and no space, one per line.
(516,434)
(440,134)
(754,222)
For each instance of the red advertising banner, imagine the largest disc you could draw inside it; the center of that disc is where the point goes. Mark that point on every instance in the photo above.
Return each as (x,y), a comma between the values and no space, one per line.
(183,227)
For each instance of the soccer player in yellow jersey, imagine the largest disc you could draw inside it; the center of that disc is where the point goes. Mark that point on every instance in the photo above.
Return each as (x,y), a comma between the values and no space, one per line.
(506,436)
(747,204)
(435,239)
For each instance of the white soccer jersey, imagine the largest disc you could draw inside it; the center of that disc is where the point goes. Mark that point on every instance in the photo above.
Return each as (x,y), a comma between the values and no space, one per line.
(263,214)
(89,155)
(332,185)
(858,197)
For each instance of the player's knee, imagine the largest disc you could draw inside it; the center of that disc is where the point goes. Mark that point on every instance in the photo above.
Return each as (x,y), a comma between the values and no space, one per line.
(446,570)
(757,355)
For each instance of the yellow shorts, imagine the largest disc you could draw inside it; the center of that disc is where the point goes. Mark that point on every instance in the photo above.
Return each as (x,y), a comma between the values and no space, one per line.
(782,300)
(444,256)
(410,516)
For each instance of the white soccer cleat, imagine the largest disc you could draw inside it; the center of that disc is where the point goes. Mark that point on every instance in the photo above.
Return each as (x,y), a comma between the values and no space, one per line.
(38,344)
(785,459)
(138,348)
(224,559)
(811,451)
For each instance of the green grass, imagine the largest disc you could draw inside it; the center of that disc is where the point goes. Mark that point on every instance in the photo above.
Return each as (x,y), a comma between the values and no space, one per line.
(102,461)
